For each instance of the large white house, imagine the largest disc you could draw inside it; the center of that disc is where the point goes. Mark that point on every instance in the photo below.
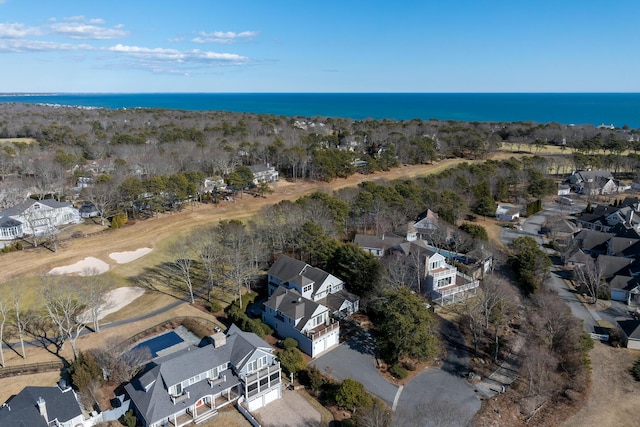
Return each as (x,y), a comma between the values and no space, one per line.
(189,386)
(309,323)
(39,217)
(303,303)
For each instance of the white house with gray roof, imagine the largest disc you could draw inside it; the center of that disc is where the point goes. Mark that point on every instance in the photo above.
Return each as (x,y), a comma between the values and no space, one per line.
(308,322)
(39,217)
(264,173)
(192,384)
(304,303)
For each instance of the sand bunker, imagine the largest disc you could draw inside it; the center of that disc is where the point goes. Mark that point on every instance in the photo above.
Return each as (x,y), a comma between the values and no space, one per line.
(125,257)
(118,298)
(114,301)
(87,267)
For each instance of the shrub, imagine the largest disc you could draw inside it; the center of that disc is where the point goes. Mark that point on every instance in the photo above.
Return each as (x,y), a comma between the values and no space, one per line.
(85,371)
(129,419)
(215,307)
(398,372)
(118,220)
(312,378)
(352,395)
(291,360)
(409,365)
(199,329)
(289,343)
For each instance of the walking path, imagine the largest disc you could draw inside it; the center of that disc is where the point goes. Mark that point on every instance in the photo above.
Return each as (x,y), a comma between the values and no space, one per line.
(505,375)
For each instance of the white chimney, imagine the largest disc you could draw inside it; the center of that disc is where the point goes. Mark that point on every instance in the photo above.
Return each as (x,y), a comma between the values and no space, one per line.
(42,407)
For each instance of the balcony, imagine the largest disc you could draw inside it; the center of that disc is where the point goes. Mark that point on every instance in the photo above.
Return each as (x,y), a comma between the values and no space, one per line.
(264,372)
(441,272)
(323,329)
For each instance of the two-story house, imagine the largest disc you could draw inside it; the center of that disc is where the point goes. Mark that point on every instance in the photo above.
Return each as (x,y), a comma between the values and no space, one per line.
(192,384)
(303,303)
(444,283)
(312,283)
(264,173)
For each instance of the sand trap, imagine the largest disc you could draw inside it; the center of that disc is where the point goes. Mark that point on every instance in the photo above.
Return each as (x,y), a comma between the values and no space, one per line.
(118,298)
(86,267)
(125,257)
(114,301)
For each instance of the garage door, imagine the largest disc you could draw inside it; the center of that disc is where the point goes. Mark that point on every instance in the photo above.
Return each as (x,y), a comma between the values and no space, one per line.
(618,295)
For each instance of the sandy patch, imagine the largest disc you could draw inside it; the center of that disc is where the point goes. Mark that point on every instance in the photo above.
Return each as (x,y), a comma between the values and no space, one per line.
(119,298)
(115,300)
(128,256)
(86,267)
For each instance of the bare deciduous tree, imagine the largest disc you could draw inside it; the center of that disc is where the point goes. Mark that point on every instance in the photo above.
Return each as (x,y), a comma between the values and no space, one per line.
(4,312)
(19,320)
(121,367)
(96,289)
(589,277)
(66,308)
(182,264)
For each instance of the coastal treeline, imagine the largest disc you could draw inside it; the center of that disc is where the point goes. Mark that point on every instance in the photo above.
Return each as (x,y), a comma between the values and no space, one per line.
(55,145)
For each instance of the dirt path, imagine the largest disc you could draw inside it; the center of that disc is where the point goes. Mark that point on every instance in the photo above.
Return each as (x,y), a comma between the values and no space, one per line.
(152,232)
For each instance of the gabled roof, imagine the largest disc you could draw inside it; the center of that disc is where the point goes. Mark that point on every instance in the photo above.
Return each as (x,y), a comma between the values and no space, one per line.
(593,240)
(579,257)
(288,269)
(614,265)
(375,242)
(419,247)
(291,304)
(155,403)
(623,282)
(23,206)
(261,168)
(22,410)
(619,245)
(631,328)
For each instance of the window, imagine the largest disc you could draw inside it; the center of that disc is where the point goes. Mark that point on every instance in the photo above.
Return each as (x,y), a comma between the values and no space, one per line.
(307,289)
(178,389)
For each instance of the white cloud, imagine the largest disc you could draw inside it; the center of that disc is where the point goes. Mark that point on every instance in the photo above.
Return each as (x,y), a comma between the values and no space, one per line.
(16,31)
(223,37)
(21,45)
(83,31)
(81,18)
(163,54)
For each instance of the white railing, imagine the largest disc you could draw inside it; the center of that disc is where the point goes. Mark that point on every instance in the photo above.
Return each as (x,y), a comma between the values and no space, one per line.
(457,289)
(440,274)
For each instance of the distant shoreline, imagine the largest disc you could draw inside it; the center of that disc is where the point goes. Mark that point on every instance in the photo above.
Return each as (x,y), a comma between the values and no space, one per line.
(617,109)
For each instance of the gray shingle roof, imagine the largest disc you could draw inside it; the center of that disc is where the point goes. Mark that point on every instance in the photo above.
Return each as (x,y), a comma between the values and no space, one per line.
(156,403)
(291,304)
(631,328)
(24,411)
(288,269)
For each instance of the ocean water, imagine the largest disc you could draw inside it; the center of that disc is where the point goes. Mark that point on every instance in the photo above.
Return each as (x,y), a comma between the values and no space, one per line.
(616,109)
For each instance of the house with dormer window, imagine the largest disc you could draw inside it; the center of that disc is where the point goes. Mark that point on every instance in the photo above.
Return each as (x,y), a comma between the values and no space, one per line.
(293,316)
(313,284)
(189,386)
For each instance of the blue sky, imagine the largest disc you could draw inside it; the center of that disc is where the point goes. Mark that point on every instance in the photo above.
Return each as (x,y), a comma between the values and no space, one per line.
(313,46)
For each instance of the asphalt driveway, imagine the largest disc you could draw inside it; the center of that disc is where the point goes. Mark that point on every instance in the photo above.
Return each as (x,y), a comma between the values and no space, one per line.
(354,359)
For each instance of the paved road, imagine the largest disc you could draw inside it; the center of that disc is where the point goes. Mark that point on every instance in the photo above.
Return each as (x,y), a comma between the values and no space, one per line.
(436,398)
(354,359)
